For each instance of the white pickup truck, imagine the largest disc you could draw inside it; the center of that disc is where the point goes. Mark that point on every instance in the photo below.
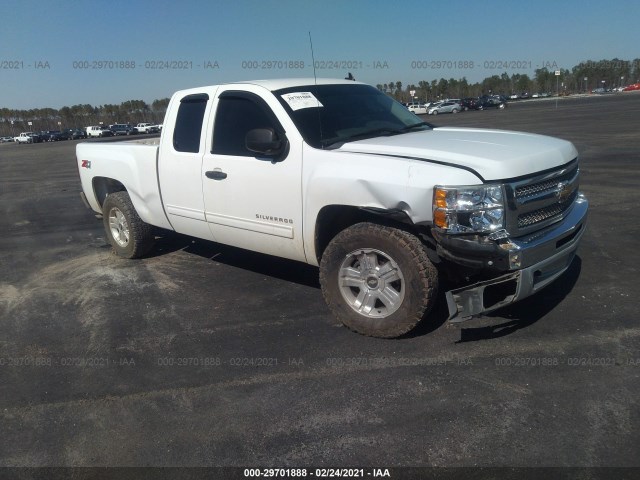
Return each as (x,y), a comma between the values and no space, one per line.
(146,128)
(338,175)
(25,137)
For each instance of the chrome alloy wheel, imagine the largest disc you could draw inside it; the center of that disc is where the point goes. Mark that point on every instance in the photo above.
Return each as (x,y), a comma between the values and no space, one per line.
(371,283)
(119,227)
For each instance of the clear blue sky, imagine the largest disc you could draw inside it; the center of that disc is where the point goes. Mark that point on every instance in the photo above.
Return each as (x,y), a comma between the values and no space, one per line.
(385,34)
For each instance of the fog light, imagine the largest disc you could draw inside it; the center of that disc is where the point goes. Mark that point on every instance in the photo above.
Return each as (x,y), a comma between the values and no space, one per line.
(514,260)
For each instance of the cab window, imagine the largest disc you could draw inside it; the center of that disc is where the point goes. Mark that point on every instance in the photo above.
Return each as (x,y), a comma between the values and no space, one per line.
(188,128)
(238,113)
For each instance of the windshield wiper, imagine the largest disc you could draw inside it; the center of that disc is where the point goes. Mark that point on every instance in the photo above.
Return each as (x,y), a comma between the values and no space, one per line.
(369,134)
(374,133)
(415,125)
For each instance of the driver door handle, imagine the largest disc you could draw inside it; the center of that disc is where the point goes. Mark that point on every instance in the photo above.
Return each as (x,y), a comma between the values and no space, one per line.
(216,174)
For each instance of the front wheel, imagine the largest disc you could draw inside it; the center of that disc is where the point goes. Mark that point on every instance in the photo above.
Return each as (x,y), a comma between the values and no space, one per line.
(129,236)
(378,280)
(455,110)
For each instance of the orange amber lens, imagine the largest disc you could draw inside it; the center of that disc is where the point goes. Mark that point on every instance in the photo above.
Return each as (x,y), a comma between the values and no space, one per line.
(441,198)
(440,218)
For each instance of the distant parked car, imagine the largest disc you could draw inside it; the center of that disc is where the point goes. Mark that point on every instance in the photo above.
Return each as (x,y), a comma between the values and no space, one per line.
(417,108)
(28,137)
(147,128)
(98,131)
(468,103)
(444,107)
(7,139)
(491,102)
(122,129)
(514,96)
(54,136)
(24,137)
(76,133)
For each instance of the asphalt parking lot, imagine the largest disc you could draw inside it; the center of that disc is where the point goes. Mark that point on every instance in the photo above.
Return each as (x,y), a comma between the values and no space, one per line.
(205,355)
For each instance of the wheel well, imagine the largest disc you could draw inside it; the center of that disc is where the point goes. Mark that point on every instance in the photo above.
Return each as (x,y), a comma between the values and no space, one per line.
(103,186)
(332,219)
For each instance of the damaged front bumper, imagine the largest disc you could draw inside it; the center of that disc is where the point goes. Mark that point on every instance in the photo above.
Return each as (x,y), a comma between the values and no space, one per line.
(544,257)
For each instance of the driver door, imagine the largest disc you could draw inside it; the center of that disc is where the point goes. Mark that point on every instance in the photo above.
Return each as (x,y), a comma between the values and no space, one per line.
(252,201)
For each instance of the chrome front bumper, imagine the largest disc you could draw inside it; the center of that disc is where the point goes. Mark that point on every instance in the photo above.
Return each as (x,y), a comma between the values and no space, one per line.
(547,256)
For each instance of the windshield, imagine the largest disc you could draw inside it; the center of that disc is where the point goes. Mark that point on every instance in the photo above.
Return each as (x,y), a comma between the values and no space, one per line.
(346,112)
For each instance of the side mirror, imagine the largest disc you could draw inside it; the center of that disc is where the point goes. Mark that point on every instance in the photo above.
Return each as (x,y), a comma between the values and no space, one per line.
(264,141)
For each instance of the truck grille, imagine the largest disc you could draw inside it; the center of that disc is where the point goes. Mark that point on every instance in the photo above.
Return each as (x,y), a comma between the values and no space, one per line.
(546,213)
(538,201)
(525,191)
(529,190)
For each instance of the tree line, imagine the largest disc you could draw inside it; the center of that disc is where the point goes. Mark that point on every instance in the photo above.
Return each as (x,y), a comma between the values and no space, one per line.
(598,74)
(13,121)
(582,78)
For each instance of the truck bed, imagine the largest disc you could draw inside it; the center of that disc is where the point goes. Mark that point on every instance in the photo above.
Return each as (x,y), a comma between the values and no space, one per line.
(134,164)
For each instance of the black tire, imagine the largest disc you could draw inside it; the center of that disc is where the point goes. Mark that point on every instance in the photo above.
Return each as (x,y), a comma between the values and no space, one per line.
(435,112)
(405,274)
(129,236)
(455,110)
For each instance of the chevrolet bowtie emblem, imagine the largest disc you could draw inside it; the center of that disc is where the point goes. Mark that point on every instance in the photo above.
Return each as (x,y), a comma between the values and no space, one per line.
(564,191)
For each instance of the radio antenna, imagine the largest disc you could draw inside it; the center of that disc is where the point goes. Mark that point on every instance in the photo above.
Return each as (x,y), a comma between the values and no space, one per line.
(315,79)
(313,60)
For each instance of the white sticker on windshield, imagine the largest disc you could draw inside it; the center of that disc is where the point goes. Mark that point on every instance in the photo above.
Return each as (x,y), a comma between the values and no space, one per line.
(299,100)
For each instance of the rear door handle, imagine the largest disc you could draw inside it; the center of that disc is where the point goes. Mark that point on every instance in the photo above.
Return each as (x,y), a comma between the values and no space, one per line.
(216,174)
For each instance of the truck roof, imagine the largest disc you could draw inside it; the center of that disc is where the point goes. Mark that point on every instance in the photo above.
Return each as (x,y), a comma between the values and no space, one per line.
(277,83)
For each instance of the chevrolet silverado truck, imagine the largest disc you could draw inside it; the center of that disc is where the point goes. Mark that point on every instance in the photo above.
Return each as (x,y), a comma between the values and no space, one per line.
(338,175)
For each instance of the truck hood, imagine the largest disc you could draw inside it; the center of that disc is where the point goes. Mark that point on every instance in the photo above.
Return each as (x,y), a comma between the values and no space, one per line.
(490,154)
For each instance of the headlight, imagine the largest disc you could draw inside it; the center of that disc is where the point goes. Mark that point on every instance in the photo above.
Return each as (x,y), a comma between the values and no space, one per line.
(472,209)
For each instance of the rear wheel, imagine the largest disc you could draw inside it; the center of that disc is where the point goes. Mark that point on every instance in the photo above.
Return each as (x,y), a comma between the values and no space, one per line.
(378,280)
(129,236)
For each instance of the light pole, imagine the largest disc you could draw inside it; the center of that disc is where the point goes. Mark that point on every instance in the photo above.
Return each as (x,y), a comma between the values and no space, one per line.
(557,74)
(586,86)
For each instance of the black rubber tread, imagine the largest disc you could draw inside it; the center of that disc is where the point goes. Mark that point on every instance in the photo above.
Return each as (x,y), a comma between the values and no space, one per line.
(141,237)
(421,278)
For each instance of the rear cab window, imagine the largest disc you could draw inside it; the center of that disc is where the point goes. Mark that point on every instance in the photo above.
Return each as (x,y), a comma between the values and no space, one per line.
(189,120)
